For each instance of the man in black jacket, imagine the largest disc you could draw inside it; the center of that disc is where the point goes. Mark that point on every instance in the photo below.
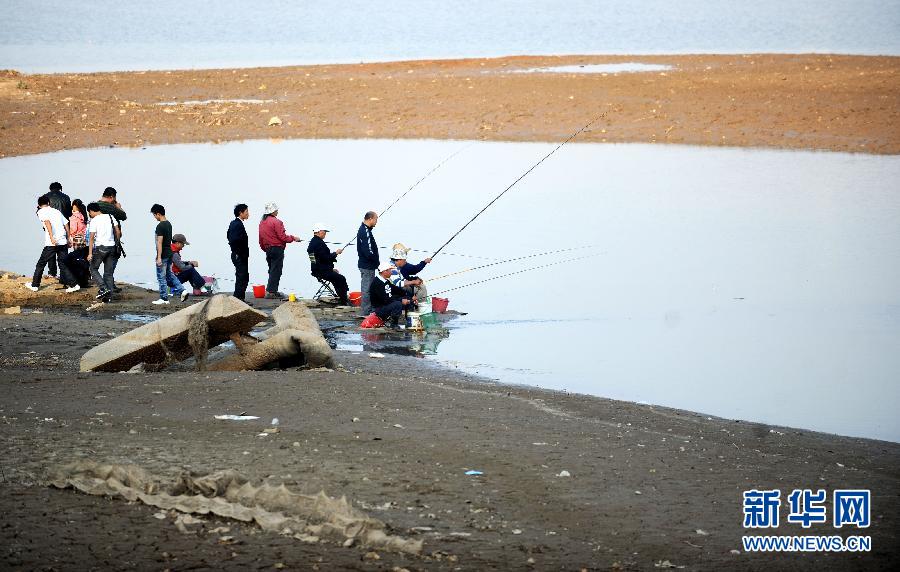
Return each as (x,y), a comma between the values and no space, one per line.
(367,250)
(240,250)
(109,204)
(388,300)
(321,261)
(61,202)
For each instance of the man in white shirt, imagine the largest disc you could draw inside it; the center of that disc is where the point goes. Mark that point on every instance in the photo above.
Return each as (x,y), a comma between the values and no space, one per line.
(56,246)
(102,249)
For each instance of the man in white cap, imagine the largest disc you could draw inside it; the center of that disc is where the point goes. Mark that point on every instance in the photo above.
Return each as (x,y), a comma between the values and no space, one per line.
(409,272)
(272,240)
(388,300)
(322,260)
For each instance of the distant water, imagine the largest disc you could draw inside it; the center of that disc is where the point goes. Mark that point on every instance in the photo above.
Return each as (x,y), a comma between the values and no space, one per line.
(103,35)
(750,284)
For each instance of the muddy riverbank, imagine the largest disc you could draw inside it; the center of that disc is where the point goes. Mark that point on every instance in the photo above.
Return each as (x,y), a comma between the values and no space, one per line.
(646,486)
(808,101)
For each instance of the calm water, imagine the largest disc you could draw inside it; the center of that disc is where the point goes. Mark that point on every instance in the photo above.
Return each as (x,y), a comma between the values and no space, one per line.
(751,284)
(98,35)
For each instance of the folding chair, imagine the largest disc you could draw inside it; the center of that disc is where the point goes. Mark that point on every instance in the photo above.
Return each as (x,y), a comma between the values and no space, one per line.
(325,289)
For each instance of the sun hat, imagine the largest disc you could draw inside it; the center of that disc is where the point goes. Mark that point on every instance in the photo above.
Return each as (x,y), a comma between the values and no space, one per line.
(399,252)
(270,208)
(320,226)
(384,266)
(180,238)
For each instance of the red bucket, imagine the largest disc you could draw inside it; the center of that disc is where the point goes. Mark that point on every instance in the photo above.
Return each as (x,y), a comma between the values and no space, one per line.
(439,305)
(259,291)
(355,298)
(371,321)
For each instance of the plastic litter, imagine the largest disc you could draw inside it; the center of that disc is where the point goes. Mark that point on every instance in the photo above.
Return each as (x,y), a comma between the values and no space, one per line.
(564,474)
(376,355)
(474,473)
(237,417)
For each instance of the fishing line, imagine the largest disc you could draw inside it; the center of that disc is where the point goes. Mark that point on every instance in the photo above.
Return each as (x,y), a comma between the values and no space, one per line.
(416,184)
(522,176)
(514,273)
(421,250)
(430,280)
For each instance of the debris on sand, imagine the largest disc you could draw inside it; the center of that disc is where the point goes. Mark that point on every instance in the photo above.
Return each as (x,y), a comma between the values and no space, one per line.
(295,340)
(12,310)
(229,495)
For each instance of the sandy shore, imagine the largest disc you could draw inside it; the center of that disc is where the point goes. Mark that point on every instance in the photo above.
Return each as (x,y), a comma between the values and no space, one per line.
(647,484)
(829,102)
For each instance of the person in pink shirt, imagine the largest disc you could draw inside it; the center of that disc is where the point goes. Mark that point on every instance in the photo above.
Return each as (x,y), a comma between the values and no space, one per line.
(78,224)
(272,240)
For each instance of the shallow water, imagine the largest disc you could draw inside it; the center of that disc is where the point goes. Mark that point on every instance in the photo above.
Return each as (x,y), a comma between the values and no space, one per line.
(752,284)
(104,35)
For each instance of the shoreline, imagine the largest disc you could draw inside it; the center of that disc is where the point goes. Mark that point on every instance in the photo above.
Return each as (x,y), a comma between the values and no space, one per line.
(790,101)
(645,485)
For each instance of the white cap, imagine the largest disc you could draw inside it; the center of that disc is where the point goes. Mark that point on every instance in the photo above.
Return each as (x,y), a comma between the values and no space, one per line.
(384,266)
(320,226)
(270,208)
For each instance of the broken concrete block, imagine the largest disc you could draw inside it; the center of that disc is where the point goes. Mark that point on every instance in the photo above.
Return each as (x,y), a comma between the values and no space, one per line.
(167,338)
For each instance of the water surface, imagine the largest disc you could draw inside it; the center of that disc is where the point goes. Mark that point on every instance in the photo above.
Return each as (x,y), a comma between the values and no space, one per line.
(752,284)
(104,35)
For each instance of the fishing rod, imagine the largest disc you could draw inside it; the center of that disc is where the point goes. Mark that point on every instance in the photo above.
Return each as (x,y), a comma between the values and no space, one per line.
(416,184)
(420,250)
(522,176)
(430,280)
(514,273)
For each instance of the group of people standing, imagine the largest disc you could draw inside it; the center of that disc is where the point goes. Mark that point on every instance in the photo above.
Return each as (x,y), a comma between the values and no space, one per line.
(387,288)
(79,239)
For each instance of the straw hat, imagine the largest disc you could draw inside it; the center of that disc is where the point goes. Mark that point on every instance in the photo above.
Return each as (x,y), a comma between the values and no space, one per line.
(399,252)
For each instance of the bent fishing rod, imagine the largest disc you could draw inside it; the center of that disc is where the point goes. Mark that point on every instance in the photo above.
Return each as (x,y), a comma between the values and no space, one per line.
(522,176)
(514,273)
(416,184)
(430,280)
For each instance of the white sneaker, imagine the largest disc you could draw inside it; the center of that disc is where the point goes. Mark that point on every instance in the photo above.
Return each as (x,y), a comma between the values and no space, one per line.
(184,295)
(32,288)
(160,302)
(74,288)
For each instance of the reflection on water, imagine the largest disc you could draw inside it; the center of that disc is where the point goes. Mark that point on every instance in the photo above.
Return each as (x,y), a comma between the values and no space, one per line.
(402,342)
(137,318)
(750,284)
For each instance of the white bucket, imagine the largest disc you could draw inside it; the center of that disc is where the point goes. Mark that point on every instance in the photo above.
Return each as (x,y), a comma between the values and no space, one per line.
(413,321)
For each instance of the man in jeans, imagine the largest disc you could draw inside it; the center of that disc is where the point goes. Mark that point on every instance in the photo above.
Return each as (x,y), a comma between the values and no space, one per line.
(109,205)
(102,249)
(240,250)
(164,273)
(272,240)
(56,245)
(61,202)
(367,250)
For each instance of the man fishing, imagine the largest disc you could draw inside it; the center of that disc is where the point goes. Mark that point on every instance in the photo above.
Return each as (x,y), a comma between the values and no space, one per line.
(409,272)
(388,300)
(322,260)
(367,250)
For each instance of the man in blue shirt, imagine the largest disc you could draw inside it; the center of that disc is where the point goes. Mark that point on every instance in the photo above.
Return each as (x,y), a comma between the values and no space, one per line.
(367,250)
(409,271)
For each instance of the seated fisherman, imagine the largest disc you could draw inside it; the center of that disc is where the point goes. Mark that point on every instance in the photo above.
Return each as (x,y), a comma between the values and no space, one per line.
(185,270)
(388,300)
(321,263)
(409,271)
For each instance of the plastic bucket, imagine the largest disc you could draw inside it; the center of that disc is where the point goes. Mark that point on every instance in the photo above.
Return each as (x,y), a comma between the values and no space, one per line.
(429,321)
(259,291)
(355,298)
(371,321)
(439,305)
